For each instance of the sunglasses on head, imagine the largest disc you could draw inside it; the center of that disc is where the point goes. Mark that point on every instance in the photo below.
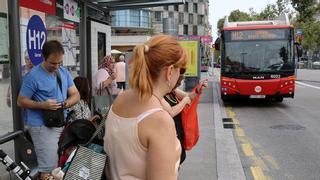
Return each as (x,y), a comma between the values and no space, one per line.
(182,71)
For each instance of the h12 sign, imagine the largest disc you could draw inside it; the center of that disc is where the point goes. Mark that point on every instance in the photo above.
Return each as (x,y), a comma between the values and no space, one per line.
(36,37)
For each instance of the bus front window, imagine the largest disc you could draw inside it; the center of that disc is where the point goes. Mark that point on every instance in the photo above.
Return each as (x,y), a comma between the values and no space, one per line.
(258,56)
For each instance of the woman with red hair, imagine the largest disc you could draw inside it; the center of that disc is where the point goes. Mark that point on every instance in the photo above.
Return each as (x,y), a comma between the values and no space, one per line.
(140,137)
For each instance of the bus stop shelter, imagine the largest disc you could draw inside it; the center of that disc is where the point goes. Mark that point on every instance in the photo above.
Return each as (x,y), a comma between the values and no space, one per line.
(89,10)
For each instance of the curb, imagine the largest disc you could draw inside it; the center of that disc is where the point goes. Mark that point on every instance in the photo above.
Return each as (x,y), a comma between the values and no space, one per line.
(228,160)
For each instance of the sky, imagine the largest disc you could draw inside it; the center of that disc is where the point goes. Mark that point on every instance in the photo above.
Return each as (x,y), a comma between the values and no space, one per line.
(221,8)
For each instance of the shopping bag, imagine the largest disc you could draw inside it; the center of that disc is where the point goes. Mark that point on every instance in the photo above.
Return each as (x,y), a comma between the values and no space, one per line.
(86,164)
(189,117)
(102,101)
(89,161)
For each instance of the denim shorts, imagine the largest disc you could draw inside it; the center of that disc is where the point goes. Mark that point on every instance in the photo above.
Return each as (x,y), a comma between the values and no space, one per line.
(45,142)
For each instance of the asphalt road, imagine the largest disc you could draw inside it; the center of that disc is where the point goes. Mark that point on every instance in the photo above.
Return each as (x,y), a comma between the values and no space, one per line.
(280,140)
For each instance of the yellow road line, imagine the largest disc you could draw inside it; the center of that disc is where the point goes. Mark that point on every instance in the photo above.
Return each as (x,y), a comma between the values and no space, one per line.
(247,149)
(240,132)
(257,173)
(258,164)
(272,161)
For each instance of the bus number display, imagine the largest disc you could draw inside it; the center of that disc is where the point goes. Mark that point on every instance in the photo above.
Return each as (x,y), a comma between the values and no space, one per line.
(257,34)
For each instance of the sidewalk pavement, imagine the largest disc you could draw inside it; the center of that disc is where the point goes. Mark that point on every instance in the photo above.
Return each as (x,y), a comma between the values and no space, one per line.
(216,155)
(311,75)
(200,162)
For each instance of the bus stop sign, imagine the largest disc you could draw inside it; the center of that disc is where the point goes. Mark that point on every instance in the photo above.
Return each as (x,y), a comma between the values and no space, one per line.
(299,32)
(36,37)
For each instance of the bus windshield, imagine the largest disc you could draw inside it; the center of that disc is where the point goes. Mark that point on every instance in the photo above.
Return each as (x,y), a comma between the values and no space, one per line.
(257,51)
(258,56)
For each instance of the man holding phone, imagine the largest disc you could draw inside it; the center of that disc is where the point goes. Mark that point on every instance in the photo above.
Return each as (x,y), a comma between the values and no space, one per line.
(41,91)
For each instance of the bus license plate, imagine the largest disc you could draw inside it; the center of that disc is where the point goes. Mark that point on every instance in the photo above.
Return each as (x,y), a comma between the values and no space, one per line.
(257,96)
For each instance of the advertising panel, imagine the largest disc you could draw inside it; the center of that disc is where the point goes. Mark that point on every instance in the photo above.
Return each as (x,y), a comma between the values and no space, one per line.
(192,48)
(71,10)
(69,43)
(4,47)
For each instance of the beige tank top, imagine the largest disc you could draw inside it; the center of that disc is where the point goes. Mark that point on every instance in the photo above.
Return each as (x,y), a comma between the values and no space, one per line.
(127,155)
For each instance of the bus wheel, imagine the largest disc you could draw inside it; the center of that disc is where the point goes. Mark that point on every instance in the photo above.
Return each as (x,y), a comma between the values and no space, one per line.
(279,99)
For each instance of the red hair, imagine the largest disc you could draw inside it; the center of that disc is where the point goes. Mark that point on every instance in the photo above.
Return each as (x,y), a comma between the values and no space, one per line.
(150,58)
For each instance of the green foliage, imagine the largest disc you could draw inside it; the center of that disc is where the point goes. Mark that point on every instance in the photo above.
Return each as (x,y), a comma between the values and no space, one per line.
(234,16)
(306,9)
(311,36)
(220,24)
(238,15)
(270,12)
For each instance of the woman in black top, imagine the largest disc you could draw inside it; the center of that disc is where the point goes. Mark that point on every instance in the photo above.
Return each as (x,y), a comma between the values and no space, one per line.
(174,103)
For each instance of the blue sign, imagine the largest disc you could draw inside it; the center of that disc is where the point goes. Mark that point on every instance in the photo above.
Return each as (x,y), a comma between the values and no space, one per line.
(299,32)
(36,37)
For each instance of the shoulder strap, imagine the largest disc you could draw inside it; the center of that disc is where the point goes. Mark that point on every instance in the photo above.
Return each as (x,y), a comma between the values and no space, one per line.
(147,113)
(59,82)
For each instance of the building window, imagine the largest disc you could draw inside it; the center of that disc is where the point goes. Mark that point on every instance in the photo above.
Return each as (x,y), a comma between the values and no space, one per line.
(165,8)
(195,30)
(185,29)
(186,7)
(176,7)
(201,19)
(171,14)
(181,18)
(158,15)
(195,8)
(190,18)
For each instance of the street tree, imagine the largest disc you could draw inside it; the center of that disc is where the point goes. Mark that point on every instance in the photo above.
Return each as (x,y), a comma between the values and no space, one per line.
(234,16)
(307,9)
(311,36)
(238,15)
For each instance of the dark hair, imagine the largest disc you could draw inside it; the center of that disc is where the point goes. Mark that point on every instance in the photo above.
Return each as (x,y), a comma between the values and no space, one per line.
(51,47)
(82,84)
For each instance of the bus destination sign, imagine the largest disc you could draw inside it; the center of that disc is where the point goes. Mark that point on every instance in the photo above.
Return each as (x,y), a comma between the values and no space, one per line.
(269,34)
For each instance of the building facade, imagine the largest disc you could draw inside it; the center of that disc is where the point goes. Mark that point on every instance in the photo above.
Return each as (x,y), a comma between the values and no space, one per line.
(129,28)
(191,21)
(191,17)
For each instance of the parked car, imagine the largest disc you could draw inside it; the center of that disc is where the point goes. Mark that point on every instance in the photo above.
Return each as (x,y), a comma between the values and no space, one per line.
(316,65)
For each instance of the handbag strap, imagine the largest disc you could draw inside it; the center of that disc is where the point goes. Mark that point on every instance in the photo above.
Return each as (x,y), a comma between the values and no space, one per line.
(101,125)
(59,82)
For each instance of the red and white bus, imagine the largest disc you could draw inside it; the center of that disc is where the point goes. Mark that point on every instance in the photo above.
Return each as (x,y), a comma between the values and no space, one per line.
(257,59)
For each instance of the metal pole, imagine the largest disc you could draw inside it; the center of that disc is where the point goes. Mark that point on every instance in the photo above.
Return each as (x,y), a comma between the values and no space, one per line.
(15,67)
(83,40)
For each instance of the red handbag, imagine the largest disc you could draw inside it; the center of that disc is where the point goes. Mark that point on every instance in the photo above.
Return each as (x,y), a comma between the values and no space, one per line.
(189,117)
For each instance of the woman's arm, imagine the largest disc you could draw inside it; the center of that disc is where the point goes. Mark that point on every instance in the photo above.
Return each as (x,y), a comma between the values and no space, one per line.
(175,110)
(180,94)
(159,133)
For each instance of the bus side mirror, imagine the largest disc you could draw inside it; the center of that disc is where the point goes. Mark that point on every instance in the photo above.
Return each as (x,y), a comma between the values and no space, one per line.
(217,44)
